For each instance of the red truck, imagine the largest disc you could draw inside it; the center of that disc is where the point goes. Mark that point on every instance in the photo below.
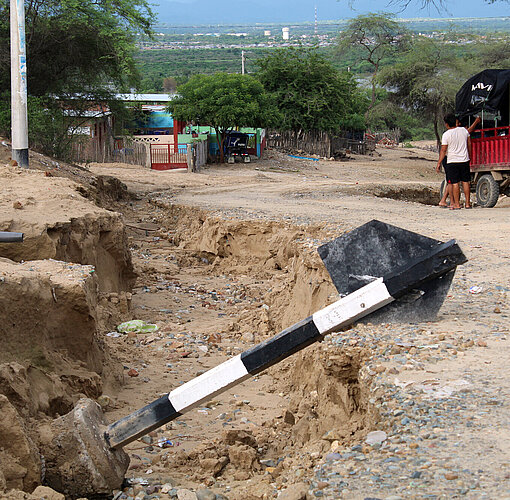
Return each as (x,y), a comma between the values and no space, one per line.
(487,94)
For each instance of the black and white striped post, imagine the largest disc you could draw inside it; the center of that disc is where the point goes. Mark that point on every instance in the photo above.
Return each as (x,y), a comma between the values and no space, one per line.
(437,261)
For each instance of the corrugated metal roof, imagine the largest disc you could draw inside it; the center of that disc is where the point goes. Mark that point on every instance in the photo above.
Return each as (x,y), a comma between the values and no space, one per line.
(146,97)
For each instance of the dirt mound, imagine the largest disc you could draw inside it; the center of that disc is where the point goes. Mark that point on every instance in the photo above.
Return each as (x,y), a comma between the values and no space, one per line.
(51,349)
(19,459)
(59,223)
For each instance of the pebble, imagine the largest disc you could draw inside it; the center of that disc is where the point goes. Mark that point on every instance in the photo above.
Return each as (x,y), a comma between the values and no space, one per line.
(184,494)
(205,494)
(376,437)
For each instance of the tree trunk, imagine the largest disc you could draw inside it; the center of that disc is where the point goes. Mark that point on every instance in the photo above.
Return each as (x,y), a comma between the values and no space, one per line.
(436,131)
(220,139)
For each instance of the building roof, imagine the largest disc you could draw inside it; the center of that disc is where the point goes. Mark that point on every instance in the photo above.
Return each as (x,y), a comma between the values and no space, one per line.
(145,97)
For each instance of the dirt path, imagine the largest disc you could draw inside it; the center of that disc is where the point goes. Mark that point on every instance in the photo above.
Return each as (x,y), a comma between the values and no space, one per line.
(440,389)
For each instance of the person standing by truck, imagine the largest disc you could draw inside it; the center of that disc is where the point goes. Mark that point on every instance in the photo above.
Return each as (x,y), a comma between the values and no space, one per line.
(447,191)
(456,147)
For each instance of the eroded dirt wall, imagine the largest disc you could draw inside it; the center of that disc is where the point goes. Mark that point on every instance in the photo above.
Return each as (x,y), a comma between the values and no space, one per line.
(59,223)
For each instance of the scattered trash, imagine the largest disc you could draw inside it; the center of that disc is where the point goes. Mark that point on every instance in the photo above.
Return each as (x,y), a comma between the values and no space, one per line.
(114,334)
(137,326)
(133,373)
(165,443)
(304,158)
(476,289)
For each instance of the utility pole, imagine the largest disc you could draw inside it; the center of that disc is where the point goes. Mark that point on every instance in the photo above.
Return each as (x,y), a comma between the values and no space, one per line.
(19,120)
(243,60)
(316,30)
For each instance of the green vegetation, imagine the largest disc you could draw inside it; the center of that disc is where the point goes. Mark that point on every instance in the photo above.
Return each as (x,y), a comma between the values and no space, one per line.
(309,92)
(377,38)
(83,47)
(156,65)
(223,102)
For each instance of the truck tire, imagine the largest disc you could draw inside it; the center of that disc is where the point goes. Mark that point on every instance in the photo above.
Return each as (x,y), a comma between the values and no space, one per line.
(487,191)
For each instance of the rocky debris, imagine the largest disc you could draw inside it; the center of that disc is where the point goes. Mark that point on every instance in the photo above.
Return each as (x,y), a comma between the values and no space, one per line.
(20,464)
(297,491)
(78,460)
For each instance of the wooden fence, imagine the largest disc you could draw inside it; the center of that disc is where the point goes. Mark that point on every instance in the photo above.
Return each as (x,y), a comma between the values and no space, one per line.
(197,155)
(121,150)
(315,142)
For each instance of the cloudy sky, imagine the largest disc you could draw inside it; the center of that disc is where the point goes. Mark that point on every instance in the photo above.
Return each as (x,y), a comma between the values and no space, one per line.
(288,11)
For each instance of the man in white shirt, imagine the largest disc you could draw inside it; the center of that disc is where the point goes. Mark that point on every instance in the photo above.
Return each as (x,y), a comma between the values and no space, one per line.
(456,147)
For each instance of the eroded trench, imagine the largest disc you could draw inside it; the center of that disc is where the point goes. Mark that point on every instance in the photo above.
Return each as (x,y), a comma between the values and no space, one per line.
(215,287)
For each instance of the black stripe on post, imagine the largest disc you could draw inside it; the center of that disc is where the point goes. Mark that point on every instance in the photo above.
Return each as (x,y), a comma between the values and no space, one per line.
(437,262)
(141,422)
(283,345)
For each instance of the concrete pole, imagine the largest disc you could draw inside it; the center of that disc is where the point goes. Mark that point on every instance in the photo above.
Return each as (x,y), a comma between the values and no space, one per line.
(242,62)
(19,120)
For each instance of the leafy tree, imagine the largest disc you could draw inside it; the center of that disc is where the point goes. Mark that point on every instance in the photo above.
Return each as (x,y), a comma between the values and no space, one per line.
(493,54)
(223,102)
(74,47)
(426,81)
(309,92)
(77,45)
(378,36)
(169,84)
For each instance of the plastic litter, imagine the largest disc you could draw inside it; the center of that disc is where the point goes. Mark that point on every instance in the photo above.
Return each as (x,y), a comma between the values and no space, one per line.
(165,443)
(304,158)
(476,289)
(114,334)
(137,326)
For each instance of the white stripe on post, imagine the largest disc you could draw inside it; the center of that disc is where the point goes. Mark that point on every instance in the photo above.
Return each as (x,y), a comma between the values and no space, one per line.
(352,307)
(207,385)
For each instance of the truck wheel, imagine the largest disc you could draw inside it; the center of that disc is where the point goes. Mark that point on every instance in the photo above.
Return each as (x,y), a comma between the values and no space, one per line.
(487,191)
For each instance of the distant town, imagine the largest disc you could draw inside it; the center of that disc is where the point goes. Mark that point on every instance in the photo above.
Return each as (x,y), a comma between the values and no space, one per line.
(322,33)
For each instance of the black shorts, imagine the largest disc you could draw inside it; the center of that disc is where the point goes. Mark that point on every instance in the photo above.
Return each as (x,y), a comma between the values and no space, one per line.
(457,172)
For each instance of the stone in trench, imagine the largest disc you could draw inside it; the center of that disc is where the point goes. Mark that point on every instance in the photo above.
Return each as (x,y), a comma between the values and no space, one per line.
(205,494)
(186,495)
(213,465)
(45,493)
(243,457)
(79,462)
(295,491)
(375,437)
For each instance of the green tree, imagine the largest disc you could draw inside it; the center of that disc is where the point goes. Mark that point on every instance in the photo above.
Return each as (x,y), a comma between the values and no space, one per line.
(77,45)
(74,48)
(309,92)
(493,54)
(426,81)
(223,101)
(379,37)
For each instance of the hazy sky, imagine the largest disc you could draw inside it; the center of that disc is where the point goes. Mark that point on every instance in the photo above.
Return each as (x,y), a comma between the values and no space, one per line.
(283,11)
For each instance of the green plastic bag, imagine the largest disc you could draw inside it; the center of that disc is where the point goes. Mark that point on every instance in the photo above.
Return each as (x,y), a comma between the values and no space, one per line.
(138,326)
